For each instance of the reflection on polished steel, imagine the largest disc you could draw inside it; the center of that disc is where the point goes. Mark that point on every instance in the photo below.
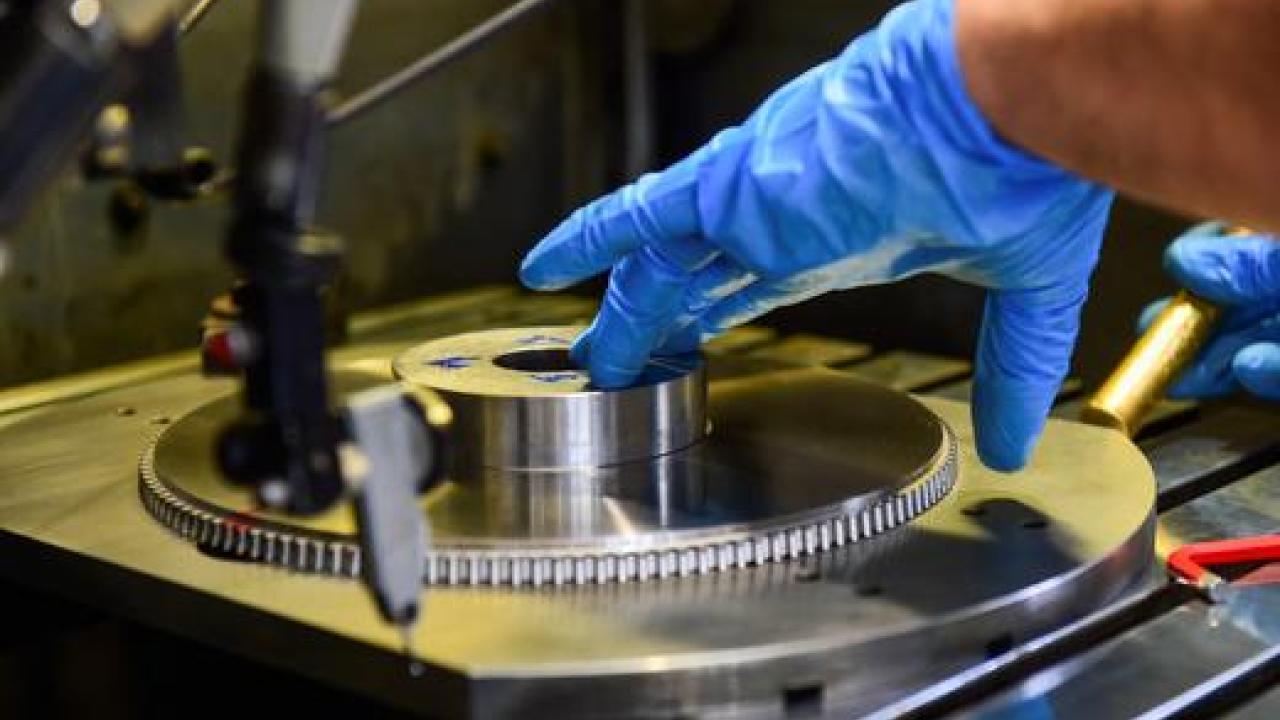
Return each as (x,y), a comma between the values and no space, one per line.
(1002,559)
(796,463)
(519,402)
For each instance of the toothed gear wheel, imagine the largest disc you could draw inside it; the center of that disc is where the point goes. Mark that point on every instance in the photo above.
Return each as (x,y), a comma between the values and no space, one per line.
(797,462)
(250,537)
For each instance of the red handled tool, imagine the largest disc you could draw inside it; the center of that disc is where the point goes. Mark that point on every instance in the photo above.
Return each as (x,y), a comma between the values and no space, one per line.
(1194,562)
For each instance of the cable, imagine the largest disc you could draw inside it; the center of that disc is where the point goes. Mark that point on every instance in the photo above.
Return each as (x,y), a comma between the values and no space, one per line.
(460,46)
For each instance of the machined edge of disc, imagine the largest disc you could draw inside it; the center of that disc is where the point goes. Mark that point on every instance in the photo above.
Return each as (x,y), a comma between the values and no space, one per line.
(241,537)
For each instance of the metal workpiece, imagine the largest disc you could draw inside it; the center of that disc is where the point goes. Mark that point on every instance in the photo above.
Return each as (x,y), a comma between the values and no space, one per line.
(999,560)
(519,402)
(773,481)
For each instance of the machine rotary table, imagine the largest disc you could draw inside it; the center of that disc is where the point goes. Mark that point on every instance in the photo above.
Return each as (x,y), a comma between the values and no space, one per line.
(996,561)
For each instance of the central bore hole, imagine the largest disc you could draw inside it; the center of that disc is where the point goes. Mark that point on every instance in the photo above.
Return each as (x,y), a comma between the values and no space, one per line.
(537,361)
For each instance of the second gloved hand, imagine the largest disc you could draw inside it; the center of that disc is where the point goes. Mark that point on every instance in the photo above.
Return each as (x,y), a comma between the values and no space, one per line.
(869,168)
(1242,275)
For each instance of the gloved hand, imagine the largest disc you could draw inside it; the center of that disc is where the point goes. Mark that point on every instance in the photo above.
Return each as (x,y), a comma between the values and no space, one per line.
(869,168)
(1242,275)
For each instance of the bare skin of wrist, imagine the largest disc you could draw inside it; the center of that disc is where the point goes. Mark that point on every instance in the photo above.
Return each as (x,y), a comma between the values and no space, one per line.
(1176,102)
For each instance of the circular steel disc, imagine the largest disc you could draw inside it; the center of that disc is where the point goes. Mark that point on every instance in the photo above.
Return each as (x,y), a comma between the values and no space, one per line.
(1001,559)
(810,460)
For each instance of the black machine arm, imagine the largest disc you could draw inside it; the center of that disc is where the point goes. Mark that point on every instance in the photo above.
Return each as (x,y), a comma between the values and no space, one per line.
(291,443)
(64,61)
(286,443)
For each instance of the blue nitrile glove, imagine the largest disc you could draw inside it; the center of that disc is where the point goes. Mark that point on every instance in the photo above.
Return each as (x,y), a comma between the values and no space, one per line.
(869,168)
(1242,275)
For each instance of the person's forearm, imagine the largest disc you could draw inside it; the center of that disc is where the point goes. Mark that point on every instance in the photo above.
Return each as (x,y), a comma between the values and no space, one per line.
(1173,101)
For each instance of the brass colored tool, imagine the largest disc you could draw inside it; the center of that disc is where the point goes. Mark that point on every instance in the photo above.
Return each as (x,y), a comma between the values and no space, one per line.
(1156,360)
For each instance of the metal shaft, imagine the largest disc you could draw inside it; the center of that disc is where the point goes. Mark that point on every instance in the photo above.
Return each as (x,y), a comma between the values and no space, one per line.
(1145,374)
(456,48)
(1156,360)
(520,402)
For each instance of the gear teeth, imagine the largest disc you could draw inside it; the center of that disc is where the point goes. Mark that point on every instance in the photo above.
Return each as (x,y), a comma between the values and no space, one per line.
(240,537)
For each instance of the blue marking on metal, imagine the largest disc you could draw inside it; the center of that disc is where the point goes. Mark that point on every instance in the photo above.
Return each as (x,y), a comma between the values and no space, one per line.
(453,362)
(542,340)
(555,377)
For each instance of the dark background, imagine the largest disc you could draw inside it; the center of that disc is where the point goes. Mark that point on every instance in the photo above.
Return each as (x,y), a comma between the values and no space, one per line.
(446,186)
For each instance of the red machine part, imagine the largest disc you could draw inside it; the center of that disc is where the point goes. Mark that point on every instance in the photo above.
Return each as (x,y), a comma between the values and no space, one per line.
(1194,563)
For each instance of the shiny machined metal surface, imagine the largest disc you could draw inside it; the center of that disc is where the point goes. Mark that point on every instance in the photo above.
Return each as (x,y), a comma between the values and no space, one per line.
(1001,559)
(520,403)
(773,481)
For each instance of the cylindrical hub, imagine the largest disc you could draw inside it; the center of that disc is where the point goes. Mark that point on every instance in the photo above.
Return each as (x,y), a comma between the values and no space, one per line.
(519,402)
